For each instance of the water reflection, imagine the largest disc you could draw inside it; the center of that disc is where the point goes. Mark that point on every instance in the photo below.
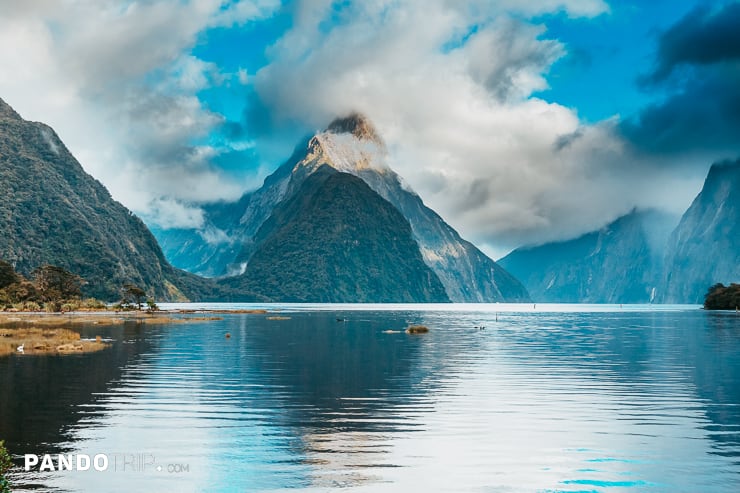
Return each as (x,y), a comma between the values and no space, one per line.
(609,401)
(42,395)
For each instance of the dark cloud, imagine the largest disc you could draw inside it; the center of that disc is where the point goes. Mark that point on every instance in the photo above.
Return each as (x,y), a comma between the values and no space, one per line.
(698,66)
(705,114)
(702,37)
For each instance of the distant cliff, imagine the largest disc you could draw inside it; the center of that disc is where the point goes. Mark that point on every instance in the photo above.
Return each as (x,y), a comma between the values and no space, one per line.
(705,247)
(620,263)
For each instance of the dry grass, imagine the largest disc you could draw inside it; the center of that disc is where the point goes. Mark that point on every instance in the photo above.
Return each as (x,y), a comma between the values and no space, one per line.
(37,340)
(56,320)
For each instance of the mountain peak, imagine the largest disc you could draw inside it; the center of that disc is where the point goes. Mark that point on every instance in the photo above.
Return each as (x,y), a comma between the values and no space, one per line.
(356,124)
(6,111)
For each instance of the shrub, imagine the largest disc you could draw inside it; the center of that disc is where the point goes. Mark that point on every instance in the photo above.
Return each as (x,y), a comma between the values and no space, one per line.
(721,297)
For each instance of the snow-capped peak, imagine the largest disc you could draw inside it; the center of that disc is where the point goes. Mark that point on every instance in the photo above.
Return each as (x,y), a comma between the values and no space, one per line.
(349,145)
(358,125)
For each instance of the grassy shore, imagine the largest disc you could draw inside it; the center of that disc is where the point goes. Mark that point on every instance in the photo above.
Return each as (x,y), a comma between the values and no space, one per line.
(37,340)
(53,333)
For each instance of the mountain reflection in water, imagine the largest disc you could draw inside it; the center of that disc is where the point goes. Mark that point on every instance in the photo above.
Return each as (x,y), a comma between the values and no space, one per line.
(570,400)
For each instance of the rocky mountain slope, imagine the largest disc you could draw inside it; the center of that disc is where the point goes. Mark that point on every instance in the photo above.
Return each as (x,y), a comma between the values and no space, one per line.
(53,212)
(705,247)
(335,240)
(228,240)
(620,263)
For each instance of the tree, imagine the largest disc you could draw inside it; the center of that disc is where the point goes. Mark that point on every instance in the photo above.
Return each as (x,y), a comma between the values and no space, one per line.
(55,283)
(7,275)
(151,305)
(19,292)
(133,295)
(721,297)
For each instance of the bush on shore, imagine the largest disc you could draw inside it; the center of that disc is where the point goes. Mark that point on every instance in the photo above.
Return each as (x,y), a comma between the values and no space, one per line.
(53,289)
(721,297)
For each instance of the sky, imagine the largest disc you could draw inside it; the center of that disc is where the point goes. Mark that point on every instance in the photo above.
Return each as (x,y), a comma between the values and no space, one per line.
(518,121)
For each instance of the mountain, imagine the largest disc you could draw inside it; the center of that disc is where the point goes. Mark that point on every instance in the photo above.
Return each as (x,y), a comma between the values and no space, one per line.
(705,247)
(229,239)
(620,263)
(52,212)
(336,240)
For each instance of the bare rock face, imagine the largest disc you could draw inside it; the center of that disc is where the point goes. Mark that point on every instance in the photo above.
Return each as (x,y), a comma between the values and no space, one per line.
(640,258)
(620,263)
(357,125)
(705,247)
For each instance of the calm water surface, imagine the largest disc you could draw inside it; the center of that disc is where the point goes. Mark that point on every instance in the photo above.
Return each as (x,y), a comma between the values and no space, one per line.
(557,399)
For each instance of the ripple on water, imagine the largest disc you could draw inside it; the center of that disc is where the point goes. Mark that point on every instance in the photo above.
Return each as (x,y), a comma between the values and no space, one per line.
(551,400)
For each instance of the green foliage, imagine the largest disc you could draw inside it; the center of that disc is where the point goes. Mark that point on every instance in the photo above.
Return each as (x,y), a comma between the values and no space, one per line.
(56,283)
(53,289)
(721,297)
(132,295)
(336,240)
(5,464)
(53,212)
(151,305)
(19,292)
(7,275)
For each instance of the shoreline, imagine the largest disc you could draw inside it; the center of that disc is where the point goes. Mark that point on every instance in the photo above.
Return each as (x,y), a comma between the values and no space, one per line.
(42,333)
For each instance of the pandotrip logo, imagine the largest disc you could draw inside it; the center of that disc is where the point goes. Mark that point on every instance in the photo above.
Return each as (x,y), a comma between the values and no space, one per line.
(126,463)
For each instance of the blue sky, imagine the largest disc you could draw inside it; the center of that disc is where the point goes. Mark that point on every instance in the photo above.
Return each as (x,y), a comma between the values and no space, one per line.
(518,121)
(597,76)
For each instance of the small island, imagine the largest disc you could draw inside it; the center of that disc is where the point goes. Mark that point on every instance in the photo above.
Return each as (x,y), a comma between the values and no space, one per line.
(721,297)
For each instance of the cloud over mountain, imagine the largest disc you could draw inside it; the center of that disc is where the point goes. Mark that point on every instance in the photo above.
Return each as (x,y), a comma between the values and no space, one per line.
(455,89)
(118,81)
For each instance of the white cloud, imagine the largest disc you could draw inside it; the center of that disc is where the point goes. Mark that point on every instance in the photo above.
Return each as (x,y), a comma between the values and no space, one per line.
(171,213)
(118,83)
(449,84)
(452,96)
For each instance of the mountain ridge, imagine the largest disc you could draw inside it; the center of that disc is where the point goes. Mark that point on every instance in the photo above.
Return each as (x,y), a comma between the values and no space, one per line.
(352,145)
(335,240)
(705,246)
(619,263)
(53,212)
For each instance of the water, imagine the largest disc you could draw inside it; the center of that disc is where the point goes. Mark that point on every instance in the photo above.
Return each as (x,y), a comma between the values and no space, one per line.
(553,399)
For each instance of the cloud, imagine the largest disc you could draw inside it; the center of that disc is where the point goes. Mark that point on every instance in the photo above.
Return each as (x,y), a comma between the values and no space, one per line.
(702,37)
(452,97)
(171,213)
(449,84)
(698,65)
(119,84)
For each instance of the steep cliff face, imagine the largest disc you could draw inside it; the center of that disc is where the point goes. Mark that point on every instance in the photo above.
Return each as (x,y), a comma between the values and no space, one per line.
(351,145)
(335,240)
(52,211)
(620,263)
(705,247)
